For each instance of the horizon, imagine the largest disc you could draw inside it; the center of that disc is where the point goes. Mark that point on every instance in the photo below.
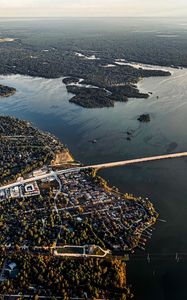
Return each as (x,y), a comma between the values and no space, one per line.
(92,8)
(94,17)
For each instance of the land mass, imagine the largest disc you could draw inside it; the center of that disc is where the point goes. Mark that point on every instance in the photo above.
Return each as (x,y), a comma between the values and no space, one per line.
(91,97)
(51,217)
(144,118)
(117,82)
(6,91)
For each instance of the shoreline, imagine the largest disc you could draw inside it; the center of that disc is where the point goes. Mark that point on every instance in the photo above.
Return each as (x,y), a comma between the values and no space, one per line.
(131,197)
(86,96)
(149,215)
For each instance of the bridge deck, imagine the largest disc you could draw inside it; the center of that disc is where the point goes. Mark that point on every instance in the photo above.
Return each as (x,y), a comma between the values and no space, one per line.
(138,160)
(99,166)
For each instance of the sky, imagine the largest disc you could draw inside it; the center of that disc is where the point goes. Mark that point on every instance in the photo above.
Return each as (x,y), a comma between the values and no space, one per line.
(93,8)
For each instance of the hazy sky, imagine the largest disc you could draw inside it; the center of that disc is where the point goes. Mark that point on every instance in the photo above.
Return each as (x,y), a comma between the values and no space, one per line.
(92,8)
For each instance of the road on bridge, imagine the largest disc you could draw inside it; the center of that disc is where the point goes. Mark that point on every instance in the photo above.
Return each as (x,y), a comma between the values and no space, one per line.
(98,166)
(138,160)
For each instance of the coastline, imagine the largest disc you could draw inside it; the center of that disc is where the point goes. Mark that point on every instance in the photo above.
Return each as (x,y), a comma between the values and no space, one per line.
(149,216)
(62,158)
(130,197)
(45,48)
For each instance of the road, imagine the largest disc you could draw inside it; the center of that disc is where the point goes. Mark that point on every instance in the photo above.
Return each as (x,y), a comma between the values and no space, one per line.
(50,174)
(98,166)
(138,160)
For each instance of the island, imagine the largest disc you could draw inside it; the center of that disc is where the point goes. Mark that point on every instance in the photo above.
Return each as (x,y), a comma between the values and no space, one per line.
(90,97)
(55,212)
(94,97)
(145,118)
(6,91)
(102,88)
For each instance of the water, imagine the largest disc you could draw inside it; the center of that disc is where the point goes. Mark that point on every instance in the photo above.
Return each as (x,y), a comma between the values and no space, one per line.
(45,103)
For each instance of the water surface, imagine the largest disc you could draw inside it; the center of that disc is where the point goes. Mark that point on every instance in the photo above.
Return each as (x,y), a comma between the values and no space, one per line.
(45,103)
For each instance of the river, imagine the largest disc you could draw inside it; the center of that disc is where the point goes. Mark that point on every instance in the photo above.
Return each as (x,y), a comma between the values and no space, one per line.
(45,103)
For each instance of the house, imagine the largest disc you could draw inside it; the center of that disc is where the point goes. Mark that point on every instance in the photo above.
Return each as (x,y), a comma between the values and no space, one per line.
(11,270)
(12,266)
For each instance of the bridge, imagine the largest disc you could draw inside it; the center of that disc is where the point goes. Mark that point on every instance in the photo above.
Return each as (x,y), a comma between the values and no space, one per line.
(98,166)
(138,160)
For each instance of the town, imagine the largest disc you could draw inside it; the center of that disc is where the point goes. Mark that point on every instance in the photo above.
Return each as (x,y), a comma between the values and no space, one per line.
(72,207)
(55,212)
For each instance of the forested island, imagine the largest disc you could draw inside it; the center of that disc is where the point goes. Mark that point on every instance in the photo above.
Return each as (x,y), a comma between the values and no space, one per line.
(90,97)
(145,118)
(93,97)
(6,91)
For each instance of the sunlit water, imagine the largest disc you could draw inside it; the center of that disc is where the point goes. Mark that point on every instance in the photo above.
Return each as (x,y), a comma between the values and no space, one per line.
(45,103)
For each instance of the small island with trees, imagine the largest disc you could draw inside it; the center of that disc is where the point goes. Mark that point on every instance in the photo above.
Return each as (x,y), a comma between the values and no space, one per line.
(145,118)
(6,91)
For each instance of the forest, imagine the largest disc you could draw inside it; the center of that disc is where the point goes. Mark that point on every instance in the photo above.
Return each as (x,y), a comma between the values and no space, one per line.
(67,278)
(58,52)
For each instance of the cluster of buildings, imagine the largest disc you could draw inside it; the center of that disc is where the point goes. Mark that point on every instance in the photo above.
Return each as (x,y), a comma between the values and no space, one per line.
(80,196)
(118,221)
(20,191)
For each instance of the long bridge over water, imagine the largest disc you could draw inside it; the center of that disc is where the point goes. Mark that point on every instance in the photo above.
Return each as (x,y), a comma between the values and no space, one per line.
(138,160)
(98,166)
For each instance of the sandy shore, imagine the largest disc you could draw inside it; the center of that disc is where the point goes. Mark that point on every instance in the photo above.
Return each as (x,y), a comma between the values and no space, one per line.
(62,157)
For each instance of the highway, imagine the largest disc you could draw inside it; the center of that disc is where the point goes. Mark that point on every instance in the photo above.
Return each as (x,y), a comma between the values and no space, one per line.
(98,166)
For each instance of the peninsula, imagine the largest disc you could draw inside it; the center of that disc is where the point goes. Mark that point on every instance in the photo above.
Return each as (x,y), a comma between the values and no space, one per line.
(56,210)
